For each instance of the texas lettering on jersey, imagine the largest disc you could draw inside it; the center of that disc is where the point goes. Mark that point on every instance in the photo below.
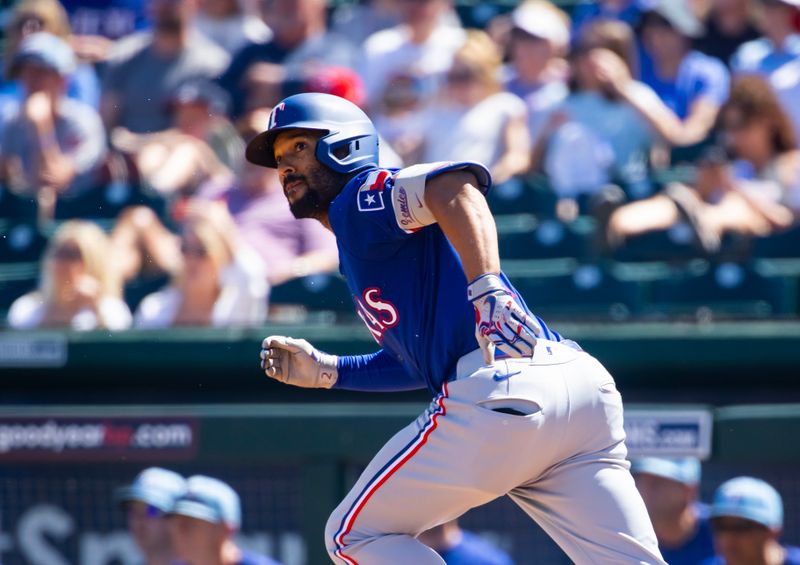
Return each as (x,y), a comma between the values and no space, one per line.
(378,313)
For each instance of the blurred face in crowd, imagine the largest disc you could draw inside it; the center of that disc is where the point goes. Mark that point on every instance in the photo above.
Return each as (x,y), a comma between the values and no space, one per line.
(748,138)
(196,540)
(660,39)
(67,266)
(199,264)
(36,77)
(218,9)
(193,118)
(255,179)
(148,527)
(465,84)
(741,542)
(309,186)
(419,12)
(665,499)
(530,54)
(171,16)
(774,15)
(293,20)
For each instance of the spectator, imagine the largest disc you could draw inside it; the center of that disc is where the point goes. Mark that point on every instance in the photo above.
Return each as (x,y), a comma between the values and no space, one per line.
(421,47)
(231,24)
(729,24)
(201,144)
(779,45)
(474,119)
(77,289)
(691,84)
(218,281)
(595,125)
(146,501)
(359,20)
(31,16)
(203,522)
(51,145)
(776,56)
(300,38)
(747,521)
(757,194)
(539,42)
(460,547)
(669,490)
(149,67)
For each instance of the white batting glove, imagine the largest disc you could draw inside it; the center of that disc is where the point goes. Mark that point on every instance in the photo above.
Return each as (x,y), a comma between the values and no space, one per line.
(297,362)
(500,321)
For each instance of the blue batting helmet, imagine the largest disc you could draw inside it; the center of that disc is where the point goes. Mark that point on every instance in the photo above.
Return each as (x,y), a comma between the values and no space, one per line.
(345,123)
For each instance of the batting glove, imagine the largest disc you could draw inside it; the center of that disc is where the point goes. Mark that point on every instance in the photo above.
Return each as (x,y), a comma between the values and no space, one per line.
(500,321)
(297,362)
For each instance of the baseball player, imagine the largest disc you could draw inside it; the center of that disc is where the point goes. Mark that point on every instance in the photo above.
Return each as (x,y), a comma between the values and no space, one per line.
(517,410)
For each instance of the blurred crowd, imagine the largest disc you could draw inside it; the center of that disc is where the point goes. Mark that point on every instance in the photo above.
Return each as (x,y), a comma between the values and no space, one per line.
(123,123)
(195,521)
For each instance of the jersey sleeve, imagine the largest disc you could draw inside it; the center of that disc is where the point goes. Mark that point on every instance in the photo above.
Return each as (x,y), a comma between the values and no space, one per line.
(374,372)
(380,208)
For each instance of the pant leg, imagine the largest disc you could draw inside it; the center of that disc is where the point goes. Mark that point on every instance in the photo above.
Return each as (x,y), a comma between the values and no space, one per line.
(588,502)
(456,456)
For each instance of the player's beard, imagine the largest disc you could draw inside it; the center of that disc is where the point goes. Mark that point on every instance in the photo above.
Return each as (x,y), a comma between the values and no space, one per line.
(322,186)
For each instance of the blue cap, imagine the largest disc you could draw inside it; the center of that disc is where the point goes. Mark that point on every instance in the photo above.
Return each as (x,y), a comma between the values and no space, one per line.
(751,499)
(155,486)
(47,50)
(684,470)
(210,500)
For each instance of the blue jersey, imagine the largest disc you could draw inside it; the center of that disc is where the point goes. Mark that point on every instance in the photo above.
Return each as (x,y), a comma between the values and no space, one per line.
(697,549)
(408,286)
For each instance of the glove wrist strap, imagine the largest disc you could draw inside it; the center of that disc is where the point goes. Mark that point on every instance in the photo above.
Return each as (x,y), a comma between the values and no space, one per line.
(328,372)
(483,285)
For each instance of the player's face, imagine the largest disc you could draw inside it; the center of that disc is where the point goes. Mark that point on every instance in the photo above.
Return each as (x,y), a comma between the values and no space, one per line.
(741,542)
(665,499)
(194,540)
(147,526)
(309,186)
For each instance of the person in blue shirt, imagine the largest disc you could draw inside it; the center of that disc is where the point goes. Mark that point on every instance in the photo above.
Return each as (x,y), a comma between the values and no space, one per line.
(747,521)
(146,501)
(203,521)
(669,489)
(516,409)
(461,547)
(779,45)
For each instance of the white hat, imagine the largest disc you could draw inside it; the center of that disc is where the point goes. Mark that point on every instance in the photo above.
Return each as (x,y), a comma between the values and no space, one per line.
(541,21)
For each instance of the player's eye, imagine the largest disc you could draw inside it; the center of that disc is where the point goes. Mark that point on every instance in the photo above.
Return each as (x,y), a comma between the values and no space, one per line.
(300,146)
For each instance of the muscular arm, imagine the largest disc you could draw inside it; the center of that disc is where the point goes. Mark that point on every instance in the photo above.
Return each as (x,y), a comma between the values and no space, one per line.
(464,216)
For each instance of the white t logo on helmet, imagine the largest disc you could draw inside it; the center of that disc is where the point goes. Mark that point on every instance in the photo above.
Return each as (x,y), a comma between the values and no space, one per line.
(273,116)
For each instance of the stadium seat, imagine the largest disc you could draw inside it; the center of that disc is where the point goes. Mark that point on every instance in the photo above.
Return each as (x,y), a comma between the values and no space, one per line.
(322,292)
(525,238)
(588,292)
(105,202)
(15,207)
(16,279)
(783,244)
(722,290)
(20,241)
(523,195)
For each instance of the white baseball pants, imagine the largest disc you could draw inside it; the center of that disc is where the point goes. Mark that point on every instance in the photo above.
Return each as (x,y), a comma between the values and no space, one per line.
(563,463)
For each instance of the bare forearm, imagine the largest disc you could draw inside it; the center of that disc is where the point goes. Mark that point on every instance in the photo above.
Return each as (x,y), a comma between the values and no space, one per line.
(464,216)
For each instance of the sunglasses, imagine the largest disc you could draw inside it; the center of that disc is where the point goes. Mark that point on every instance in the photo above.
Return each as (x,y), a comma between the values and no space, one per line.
(461,77)
(144,510)
(736,526)
(71,254)
(194,250)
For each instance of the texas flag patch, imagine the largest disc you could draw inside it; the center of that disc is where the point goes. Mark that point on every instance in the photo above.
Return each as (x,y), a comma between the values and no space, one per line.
(370,195)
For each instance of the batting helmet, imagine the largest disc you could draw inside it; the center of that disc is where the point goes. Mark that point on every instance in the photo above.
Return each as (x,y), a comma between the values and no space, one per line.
(345,123)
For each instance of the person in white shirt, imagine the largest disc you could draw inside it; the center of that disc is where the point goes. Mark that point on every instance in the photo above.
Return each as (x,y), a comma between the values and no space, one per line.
(219,282)
(474,119)
(422,46)
(78,289)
